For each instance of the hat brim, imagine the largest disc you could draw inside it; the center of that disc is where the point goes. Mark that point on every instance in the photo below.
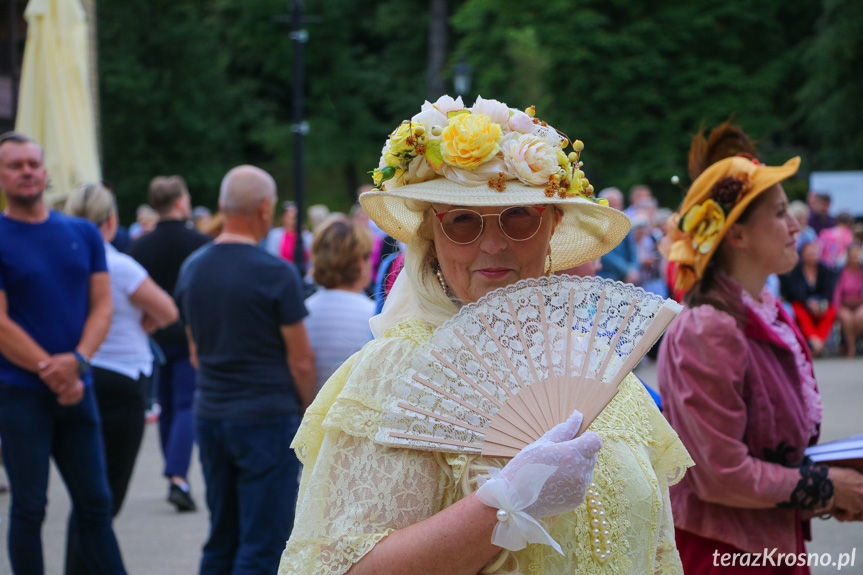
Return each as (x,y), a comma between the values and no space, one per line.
(764,178)
(587,230)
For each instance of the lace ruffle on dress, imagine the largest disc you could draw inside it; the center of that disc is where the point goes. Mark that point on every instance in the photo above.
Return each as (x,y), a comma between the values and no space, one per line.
(355,491)
(768,310)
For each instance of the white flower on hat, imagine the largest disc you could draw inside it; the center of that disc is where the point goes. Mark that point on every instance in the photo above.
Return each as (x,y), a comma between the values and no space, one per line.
(531,159)
(521,123)
(430,117)
(445,104)
(496,111)
(418,171)
(478,176)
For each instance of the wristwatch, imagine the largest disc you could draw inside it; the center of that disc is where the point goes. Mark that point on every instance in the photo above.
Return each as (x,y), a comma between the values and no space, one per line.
(83,364)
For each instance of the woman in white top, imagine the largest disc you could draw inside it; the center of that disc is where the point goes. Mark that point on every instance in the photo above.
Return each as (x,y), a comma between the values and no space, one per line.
(338,320)
(123,364)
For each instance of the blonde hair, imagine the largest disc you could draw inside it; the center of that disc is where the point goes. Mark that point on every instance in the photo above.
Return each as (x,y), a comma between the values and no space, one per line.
(337,249)
(92,202)
(434,305)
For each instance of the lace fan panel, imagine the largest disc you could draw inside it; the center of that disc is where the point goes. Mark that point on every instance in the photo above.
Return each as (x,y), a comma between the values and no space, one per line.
(531,331)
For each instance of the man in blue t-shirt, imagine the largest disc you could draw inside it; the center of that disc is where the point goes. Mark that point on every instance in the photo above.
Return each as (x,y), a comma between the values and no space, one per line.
(243,310)
(55,310)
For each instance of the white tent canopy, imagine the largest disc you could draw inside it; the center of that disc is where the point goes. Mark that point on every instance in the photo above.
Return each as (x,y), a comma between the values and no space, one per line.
(55,106)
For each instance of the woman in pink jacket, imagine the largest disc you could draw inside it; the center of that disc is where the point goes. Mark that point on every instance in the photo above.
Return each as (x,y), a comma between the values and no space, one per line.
(736,375)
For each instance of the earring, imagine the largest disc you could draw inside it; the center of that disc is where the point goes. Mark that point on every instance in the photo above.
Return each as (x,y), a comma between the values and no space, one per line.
(548,271)
(437,272)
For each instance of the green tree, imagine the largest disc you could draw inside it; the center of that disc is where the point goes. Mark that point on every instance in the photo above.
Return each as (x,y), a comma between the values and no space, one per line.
(167,105)
(634,80)
(195,88)
(831,96)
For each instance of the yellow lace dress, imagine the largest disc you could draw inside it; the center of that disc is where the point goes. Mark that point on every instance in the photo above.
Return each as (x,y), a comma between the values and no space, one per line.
(354,491)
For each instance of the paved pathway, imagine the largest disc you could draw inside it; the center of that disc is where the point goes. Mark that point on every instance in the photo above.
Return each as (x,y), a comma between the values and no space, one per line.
(158,541)
(155,539)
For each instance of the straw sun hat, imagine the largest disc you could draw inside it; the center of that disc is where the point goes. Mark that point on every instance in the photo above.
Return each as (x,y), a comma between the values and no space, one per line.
(716,199)
(490,155)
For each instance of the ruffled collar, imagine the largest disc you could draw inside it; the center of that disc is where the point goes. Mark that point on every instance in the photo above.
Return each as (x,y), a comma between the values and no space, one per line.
(767,310)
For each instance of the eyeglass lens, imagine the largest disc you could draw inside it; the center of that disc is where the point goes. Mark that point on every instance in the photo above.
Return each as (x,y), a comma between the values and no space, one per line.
(519,223)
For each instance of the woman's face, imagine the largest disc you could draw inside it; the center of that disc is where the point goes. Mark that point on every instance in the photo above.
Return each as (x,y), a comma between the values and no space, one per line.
(854,256)
(770,234)
(809,254)
(493,260)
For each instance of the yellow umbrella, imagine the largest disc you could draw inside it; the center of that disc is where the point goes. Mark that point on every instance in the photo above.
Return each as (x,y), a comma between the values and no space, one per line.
(55,106)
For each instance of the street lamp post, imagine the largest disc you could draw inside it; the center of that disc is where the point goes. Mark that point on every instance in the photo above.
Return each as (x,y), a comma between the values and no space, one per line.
(300,128)
(462,77)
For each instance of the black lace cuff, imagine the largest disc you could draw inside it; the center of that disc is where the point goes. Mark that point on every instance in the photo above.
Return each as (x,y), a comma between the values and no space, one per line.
(814,489)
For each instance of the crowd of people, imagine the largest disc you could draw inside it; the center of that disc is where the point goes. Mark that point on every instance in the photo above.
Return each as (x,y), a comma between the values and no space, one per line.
(201,317)
(822,293)
(182,315)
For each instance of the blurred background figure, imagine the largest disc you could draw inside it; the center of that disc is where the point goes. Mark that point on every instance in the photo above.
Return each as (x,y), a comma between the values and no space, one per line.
(372,226)
(833,242)
(214,227)
(819,212)
(146,219)
(288,244)
(243,311)
(800,212)
(587,269)
(339,314)
(273,241)
(848,299)
(640,197)
(121,240)
(315,216)
(809,289)
(201,218)
(383,245)
(621,263)
(162,252)
(123,363)
(388,271)
(649,260)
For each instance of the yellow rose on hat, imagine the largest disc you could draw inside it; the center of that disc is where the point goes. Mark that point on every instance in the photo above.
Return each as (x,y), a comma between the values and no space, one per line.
(703,223)
(470,140)
(402,140)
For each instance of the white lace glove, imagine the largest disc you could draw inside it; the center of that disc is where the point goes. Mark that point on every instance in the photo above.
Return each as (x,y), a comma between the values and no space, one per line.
(548,477)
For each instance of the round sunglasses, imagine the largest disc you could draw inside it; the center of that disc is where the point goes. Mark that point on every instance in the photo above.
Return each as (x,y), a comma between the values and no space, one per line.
(464,226)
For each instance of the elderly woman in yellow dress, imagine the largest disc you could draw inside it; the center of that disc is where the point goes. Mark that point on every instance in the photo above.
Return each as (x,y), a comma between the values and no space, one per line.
(483,197)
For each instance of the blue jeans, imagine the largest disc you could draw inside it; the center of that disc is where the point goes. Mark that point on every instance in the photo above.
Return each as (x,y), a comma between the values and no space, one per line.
(34,427)
(177,420)
(251,475)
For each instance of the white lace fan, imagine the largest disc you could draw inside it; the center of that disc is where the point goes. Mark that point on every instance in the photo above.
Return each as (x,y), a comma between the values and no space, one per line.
(511,366)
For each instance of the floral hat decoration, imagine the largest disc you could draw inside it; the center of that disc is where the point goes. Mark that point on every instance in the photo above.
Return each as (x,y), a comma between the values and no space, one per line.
(490,155)
(713,203)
